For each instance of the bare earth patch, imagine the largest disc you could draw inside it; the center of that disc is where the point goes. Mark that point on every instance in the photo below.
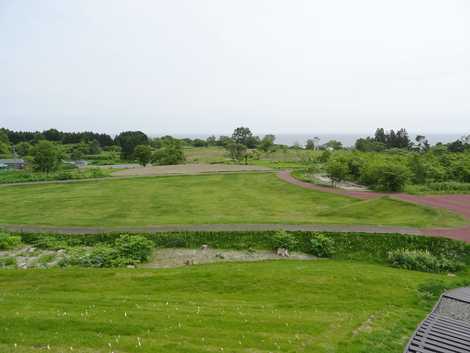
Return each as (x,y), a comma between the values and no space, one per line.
(189,169)
(177,257)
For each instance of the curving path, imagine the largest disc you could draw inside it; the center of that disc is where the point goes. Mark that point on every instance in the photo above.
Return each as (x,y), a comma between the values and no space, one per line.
(455,203)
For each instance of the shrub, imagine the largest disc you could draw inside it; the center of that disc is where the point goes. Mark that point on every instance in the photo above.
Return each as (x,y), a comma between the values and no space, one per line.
(100,256)
(321,245)
(8,241)
(282,239)
(7,262)
(422,260)
(49,242)
(135,247)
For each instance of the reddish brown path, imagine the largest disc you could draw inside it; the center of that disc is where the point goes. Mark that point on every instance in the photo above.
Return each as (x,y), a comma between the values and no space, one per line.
(455,203)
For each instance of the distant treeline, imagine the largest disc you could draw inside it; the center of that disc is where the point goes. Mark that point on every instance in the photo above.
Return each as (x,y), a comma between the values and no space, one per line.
(54,135)
(382,140)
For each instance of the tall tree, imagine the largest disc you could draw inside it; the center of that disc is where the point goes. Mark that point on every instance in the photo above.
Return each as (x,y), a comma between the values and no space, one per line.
(129,140)
(45,156)
(143,153)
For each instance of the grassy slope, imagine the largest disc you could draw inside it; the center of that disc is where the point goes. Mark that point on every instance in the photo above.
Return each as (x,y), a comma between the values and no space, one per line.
(235,198)
(283,306)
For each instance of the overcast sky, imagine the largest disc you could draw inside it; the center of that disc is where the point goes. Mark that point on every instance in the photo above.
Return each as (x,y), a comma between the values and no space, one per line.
(207,66)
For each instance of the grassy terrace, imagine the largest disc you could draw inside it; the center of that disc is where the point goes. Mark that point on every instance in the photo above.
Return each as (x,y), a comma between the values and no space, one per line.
(282,306)
(228,198)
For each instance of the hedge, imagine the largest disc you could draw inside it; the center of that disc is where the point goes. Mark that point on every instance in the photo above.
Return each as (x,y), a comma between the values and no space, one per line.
(351,246)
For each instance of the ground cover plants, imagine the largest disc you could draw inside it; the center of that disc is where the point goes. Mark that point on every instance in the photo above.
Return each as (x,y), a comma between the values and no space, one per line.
(203,199)
(341,246)
(23,176)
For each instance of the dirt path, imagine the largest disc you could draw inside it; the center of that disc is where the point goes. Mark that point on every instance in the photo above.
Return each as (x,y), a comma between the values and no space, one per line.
(455,203)
(189,169)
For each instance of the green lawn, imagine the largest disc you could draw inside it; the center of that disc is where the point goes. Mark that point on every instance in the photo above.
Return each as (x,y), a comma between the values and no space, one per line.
(227,198)
(282,306)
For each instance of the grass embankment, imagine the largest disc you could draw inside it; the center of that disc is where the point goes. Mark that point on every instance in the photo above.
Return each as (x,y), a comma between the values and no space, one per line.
(319,306)
(234,198)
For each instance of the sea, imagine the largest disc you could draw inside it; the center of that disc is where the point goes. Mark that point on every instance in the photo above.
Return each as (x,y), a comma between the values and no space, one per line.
(347,140)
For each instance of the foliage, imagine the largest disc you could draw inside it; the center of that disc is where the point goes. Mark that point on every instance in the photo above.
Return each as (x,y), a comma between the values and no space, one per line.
(134,247)
(8,241)
(170,153)
(321,245)
(282,239)
(243,136)
(22,176)
(333,144)
(267,143)
(450,187)
(128,141)
(4,148)
(337,170)
(392,177)
(237,151)
(422,260)
(24,149)
(7,262)
(143,153)
(45,157)
(99,256)
(347,246)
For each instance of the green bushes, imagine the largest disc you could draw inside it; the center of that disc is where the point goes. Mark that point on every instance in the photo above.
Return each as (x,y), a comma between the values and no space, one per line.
(422,260)
(135,247)
(7,262)
(321,245)
(347,246)
(21,176)
(8,241)
(284,240)
(126,250)
(449,187)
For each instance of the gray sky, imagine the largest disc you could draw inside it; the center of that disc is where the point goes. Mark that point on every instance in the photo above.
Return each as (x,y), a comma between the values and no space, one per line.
(207,66)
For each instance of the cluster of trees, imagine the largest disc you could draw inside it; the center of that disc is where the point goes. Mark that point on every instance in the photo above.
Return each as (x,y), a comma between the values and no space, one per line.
(55,135)
(393,170)
(161,150)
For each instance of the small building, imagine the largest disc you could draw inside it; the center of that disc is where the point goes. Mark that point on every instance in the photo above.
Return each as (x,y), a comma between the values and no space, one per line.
(14,163)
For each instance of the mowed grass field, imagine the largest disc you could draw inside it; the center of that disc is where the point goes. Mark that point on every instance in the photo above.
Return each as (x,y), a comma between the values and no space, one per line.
(280,306)
(205,199)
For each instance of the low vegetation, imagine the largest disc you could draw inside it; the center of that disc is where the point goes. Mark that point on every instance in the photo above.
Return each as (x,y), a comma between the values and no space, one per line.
(341,246)
(286,306)
(23,176)
(423,260)
(204,199)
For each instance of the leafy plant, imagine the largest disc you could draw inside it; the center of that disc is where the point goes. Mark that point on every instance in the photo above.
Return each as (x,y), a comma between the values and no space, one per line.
(422,260)
(282,239)
(134,247)
(321,245)
(8,241)
(7,262)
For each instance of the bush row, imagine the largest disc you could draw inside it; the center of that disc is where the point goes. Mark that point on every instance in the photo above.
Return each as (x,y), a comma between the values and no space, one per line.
(350,246)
